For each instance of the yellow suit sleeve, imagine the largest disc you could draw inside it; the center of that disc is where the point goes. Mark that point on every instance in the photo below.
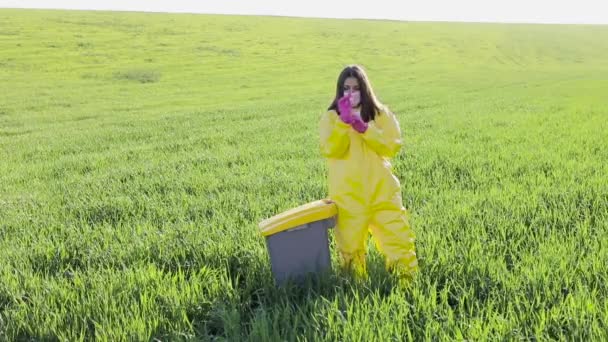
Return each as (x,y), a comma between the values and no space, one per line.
(334,135)
(383,134)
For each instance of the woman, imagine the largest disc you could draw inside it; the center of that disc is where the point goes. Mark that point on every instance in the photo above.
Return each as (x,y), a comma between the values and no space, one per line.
(358,137)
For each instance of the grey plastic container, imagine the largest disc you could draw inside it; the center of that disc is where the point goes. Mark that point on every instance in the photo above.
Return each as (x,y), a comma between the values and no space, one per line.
(300,251)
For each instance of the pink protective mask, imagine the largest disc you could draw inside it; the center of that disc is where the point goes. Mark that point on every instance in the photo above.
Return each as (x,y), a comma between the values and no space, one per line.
(355,97)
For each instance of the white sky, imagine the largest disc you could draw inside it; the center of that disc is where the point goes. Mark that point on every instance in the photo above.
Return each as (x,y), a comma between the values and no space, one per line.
(531,11)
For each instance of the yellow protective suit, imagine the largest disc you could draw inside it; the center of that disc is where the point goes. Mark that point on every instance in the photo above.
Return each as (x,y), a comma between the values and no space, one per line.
(366,193)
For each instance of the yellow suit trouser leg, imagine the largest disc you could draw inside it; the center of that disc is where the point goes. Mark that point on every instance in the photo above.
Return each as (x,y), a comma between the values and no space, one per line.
(351,236)
(395,240)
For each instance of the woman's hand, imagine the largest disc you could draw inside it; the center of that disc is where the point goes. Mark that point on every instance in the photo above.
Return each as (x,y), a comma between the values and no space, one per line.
(359,125)
(344,107)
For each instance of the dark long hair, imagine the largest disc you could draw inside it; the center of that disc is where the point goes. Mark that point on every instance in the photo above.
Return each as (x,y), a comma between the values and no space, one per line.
(370,105)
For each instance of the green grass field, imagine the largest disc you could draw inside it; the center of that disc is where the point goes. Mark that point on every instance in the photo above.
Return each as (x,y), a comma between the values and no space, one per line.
(139,152)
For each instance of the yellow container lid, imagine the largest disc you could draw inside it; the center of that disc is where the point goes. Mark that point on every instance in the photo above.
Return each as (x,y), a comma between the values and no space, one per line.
(309,212)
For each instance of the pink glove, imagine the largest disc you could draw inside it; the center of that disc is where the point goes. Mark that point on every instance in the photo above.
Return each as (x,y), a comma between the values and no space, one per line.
(345,110)
(359,125)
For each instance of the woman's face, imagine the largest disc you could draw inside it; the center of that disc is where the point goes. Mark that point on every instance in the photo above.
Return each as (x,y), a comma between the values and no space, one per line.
(351,86)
